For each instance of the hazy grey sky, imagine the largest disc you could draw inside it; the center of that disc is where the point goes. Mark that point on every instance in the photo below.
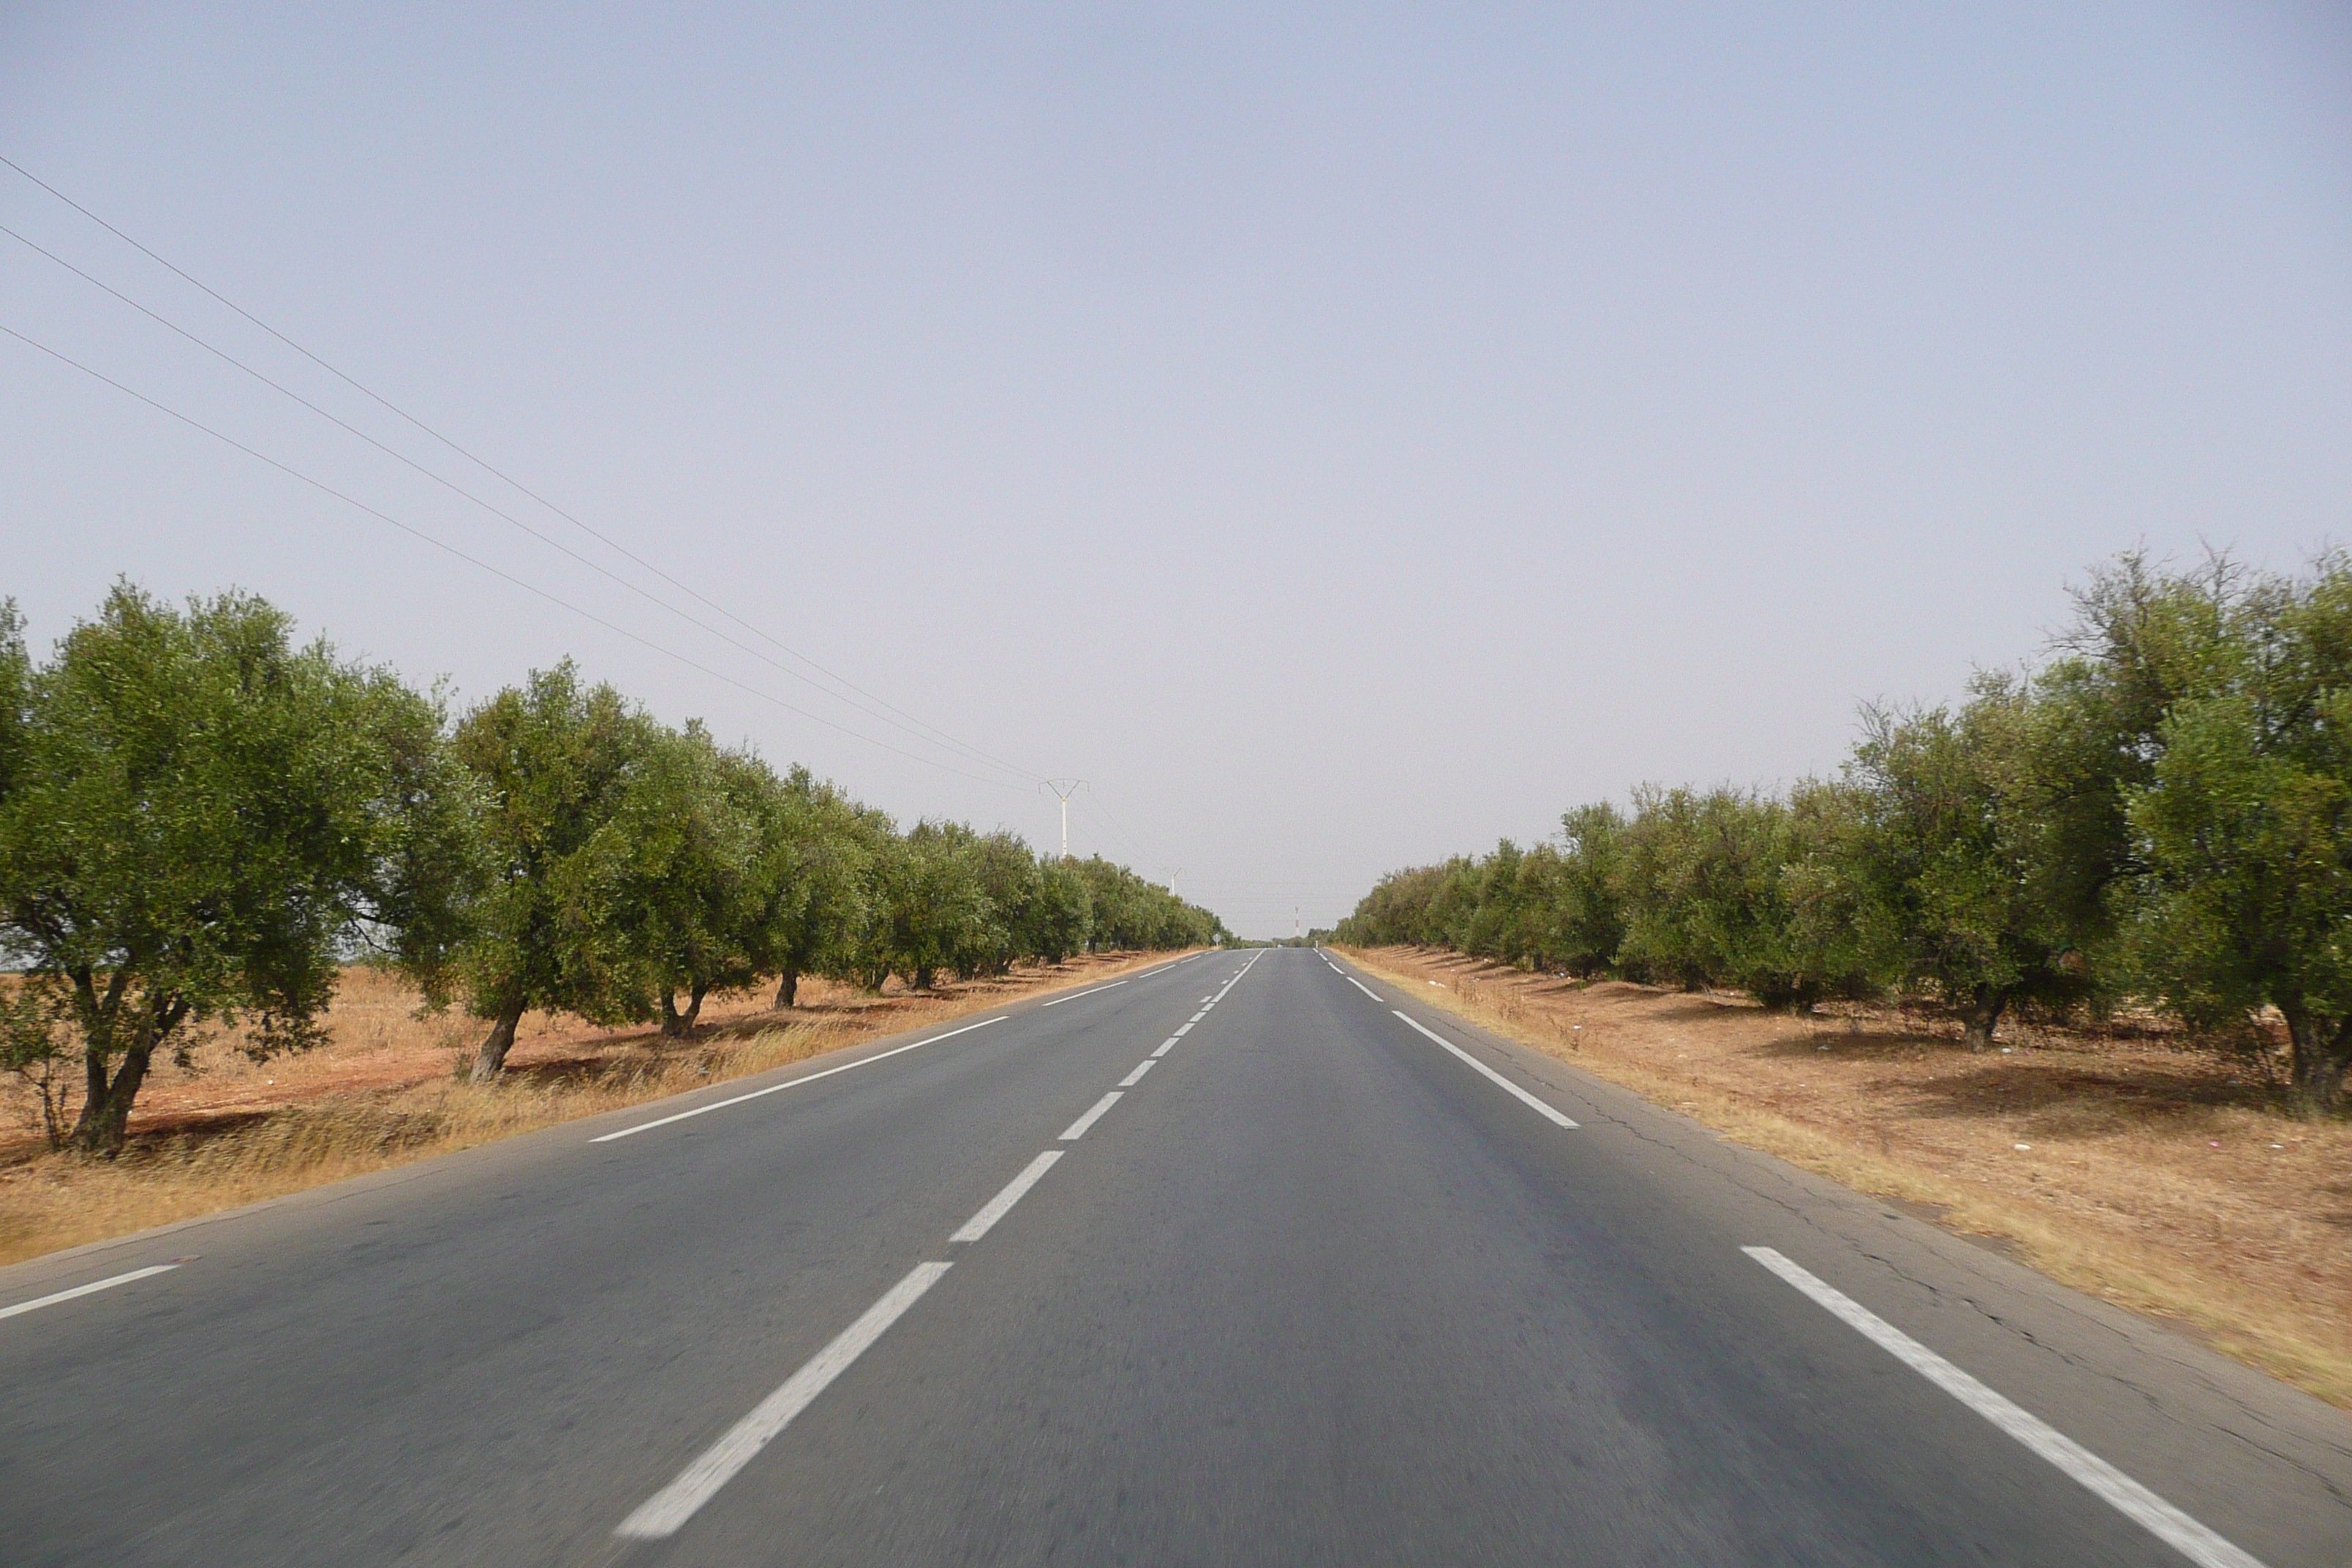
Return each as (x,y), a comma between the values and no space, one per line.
(1342,435)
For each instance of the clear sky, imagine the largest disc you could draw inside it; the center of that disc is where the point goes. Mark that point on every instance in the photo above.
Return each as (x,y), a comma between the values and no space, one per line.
(1343,435)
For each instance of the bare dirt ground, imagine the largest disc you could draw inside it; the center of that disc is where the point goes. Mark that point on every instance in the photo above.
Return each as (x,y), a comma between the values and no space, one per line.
(385,1090)
(2124,1159)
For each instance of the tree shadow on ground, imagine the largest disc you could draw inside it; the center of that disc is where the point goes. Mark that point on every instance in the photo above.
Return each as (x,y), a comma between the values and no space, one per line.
(2071,1101)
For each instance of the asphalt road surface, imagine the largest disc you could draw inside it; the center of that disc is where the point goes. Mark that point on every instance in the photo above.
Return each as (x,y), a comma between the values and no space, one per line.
(1335,1280)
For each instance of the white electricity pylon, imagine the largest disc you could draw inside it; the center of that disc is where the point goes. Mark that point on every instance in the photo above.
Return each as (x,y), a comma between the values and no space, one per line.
(1062,790)
(1173,872)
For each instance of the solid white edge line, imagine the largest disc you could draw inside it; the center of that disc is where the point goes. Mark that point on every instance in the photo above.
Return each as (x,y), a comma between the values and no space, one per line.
(1131,1079)
(997,1207)
(1364,988)
(2126,1496)
(661,1514)
(1078,1129)
(1075,996)
(795,1083)
(1538,1105)
(92,1289)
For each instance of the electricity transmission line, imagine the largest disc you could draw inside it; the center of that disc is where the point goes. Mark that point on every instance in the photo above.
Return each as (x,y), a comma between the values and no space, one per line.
(872,705)
(504,576)
(927,732)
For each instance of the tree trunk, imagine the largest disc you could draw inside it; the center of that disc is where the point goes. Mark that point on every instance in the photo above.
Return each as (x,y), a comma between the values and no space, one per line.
(788,988)
(2318,1062)
(922,979)
(676,1024)
(491,1059)
(1983,1016)
(105,1120)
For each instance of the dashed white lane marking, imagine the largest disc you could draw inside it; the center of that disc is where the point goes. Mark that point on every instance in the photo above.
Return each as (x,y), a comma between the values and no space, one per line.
(1096,991)
(661,1514)
(2118,1490)
(1163,968)
(1362,987)
(1166,1045)
(666,1512)
(1537,1105)
(1184,1029)
(997,1207)
(1078,1129)
(795,1083)
(1131,1079)
(92,1289)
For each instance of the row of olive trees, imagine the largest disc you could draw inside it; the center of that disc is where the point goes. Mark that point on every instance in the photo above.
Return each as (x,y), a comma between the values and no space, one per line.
(2162,812)
(200,822)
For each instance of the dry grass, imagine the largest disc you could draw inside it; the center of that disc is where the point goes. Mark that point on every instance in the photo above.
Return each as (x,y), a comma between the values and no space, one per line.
(2123,1162)
(385,1091)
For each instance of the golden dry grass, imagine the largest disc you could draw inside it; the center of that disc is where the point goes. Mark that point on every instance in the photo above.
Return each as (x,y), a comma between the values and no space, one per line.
(2123,1162)
(385,1091)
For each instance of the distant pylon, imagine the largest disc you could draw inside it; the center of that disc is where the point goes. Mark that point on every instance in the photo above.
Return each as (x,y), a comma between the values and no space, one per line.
(1062,790)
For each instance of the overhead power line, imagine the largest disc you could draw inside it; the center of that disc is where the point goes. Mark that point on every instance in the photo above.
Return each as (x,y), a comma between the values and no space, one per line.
(504,576)
(929,732)
(451,485)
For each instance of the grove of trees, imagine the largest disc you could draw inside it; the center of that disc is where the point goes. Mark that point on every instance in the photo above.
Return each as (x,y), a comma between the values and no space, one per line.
(201,822)
(2160,814)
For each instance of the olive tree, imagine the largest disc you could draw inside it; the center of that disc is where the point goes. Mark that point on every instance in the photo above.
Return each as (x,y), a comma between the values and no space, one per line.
(816,848)
(1972,881)
(553,762)
(1062,914)
(199,821)
(1586,923)
(922,906)
(682,869)
(2244,825)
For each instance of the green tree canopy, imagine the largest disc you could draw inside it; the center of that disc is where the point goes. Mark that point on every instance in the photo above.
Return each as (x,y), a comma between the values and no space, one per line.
(198,819)
(553,763)
(2244,824)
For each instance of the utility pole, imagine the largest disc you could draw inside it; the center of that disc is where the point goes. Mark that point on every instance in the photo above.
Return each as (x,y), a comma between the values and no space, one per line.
(1298,930)
(1062,790)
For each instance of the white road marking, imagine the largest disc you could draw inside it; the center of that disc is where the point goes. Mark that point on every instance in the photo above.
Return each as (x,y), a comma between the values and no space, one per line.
(1198,1016)
(93,1288)
(1364,988)
(1078,1129)
(2118,1490)
(795,1083)
(1538,1105)
(1184,1029)
(1131,1079)
(1165,1046)
(1096,992)
(661,1514)
(997,1207)
(1163,968)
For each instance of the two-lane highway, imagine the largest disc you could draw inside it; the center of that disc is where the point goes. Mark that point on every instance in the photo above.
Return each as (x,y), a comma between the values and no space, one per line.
(1247,1259)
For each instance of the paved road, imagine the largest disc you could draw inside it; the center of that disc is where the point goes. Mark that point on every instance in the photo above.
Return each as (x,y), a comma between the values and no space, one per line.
(1316,1287)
